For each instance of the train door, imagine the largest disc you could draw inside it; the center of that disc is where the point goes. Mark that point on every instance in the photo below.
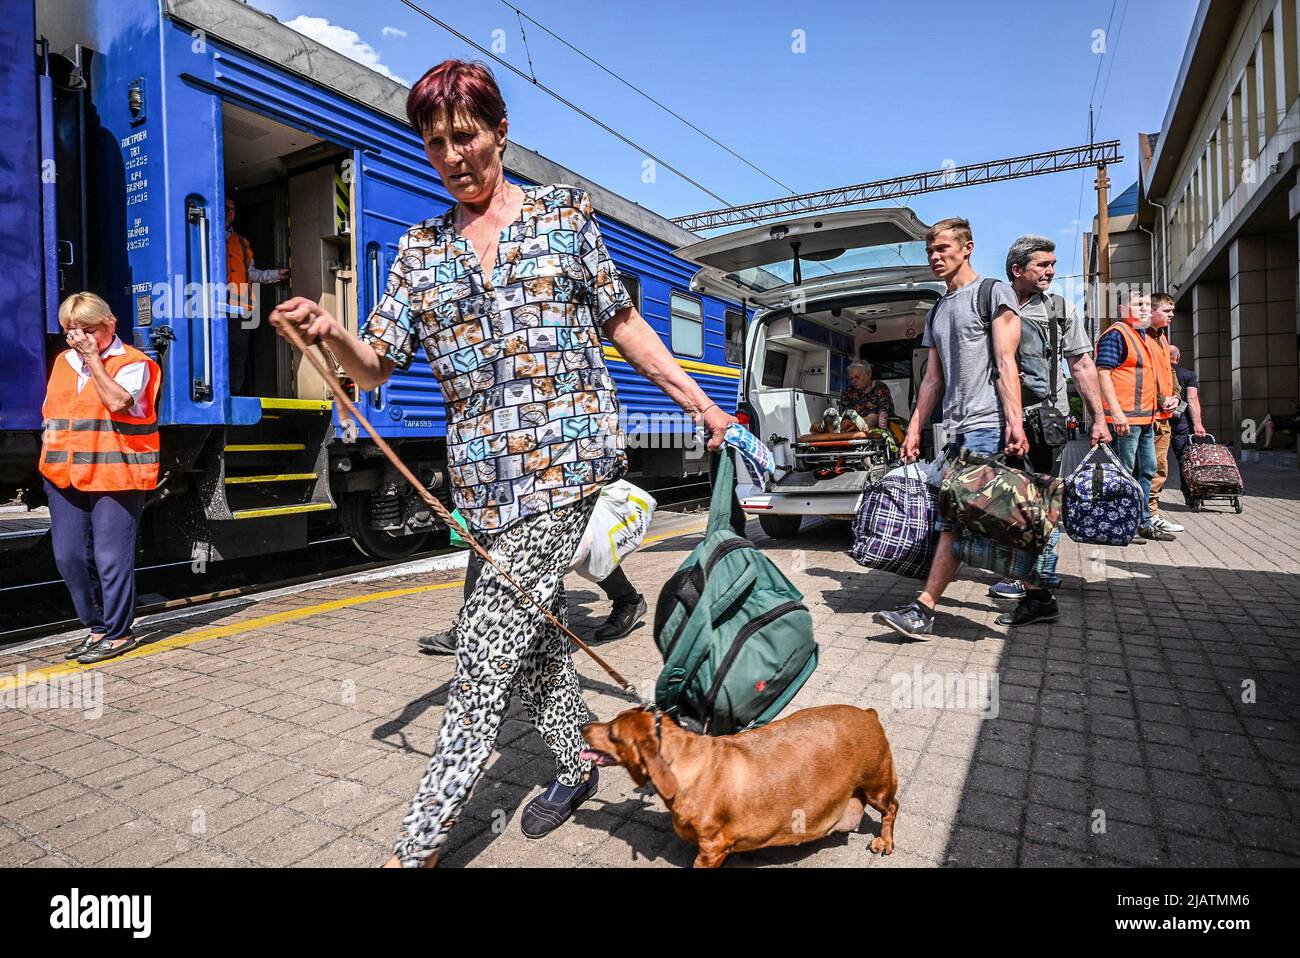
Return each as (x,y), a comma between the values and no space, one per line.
(293,223)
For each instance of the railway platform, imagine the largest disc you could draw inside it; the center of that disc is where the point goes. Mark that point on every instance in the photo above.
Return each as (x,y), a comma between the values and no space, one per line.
(1155,723)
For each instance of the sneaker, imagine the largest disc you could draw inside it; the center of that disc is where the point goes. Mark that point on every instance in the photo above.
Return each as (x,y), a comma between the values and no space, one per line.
(1031,609)
(1012,590)
(1160,522)
(1153,532)
(551,809)
(627,613)
(440,643)
(913,620)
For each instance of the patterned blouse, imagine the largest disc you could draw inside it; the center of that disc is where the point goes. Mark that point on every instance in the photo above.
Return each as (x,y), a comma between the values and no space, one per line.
(532,416)
(874,399)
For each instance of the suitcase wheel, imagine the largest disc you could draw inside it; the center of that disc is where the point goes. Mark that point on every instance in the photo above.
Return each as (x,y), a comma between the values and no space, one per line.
(1236,504)
(1196,505)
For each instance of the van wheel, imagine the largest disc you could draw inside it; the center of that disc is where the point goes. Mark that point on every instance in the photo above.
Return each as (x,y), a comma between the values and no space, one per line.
(780,527)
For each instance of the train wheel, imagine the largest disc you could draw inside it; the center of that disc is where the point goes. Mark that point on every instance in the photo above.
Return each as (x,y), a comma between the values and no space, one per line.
(780,527)
(375,542)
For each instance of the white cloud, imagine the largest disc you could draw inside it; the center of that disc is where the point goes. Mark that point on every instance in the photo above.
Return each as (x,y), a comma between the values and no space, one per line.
(392,32)
(342,40)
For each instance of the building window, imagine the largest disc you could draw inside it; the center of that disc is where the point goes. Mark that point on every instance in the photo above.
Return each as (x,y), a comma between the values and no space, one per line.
(734,330)
(687,330)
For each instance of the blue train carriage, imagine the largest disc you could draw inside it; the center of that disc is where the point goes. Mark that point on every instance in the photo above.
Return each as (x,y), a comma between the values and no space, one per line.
(179,104)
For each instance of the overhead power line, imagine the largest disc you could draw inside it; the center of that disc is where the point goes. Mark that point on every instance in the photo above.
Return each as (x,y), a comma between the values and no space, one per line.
(667,109)
(992,171)
(569,103)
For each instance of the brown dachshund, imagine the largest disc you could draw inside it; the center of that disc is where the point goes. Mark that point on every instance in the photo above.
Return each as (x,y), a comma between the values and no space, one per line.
(793,781)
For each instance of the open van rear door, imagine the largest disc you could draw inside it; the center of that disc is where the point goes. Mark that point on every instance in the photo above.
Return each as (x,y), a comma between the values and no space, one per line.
(772,264)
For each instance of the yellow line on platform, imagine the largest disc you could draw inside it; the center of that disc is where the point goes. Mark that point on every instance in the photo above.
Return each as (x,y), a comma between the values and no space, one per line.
(11,682)
(222,631)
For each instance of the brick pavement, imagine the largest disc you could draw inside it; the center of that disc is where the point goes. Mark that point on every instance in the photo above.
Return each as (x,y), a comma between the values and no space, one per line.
(1156,723)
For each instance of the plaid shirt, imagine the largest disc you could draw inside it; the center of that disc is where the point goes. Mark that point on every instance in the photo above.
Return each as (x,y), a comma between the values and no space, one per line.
(532,416)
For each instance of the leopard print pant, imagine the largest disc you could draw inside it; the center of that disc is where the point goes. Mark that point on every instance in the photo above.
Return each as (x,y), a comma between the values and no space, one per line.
(504,646)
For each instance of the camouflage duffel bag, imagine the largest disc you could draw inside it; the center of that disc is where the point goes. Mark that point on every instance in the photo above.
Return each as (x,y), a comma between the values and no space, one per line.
(986,497)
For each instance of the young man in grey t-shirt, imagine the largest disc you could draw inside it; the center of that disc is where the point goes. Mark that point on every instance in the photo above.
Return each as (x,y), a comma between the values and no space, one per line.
(979,414)
(1031,266)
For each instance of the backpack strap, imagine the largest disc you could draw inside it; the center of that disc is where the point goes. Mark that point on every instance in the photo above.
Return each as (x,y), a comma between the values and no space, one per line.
(984,303)
(1054,304)
(724,490)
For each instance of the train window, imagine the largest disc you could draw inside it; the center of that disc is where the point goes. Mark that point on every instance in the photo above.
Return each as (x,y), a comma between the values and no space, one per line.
(687,336)
(734,329)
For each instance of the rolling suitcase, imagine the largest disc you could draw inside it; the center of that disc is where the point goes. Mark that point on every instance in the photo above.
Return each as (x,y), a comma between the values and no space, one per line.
(1209,472)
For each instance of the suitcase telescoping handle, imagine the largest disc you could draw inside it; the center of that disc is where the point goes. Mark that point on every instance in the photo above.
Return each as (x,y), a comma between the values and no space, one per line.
(439,509)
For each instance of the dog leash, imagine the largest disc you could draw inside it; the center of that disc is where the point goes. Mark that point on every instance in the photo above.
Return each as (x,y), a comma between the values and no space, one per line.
(341,395)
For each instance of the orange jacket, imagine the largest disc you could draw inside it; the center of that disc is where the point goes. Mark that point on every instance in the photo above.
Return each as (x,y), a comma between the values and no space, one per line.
(86,446)
(1159,346)
(1135,381)
(239,259)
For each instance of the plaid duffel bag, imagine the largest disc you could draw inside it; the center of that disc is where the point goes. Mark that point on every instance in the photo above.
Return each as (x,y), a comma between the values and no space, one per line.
(1006,561)
(894,527)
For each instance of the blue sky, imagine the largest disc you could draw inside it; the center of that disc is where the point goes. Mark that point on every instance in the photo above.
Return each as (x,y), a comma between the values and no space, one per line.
(881,89)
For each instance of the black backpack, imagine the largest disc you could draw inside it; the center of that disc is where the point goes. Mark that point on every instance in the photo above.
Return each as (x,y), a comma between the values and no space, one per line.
(1039,356)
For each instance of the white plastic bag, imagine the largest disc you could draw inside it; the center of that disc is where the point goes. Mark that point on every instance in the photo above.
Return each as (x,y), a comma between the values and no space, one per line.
(618,525)
(931,471)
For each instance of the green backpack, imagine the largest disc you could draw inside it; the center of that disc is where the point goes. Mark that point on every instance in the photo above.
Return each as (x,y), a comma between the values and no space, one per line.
(736,638)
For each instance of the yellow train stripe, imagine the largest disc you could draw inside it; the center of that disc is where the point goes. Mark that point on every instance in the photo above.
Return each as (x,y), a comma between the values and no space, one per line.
(690,365)
(267,447)
(309,405)
(283,477)
(282,510)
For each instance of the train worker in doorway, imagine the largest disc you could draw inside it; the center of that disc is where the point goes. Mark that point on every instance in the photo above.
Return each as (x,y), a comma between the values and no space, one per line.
(1031,266)
(1162,315)
(979,415)
(1126,364)
(1187,421)
(241,273)
(867,396)
(99,457)
(508,292)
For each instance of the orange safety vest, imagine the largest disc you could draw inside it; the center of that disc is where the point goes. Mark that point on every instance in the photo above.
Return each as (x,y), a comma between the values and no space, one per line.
(1164,372)
(239,259)
(1135,381)
(86,446)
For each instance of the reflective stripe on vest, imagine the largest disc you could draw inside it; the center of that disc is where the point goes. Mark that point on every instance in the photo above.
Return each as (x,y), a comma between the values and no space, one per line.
(1159,346)
(239,257)
(86,446)
(1135,379)
(103,425)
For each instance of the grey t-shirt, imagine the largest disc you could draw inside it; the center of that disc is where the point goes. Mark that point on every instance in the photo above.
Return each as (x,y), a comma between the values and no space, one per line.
(954,327)
(1074,343)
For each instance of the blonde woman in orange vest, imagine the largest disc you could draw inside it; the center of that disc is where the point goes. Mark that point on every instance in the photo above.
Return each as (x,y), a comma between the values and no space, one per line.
(1130,391)
(1162,315)
(241,273)
(99,457)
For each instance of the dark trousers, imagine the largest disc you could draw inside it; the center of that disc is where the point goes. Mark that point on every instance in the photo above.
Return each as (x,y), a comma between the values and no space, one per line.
(94,536)
(239,337)
(615,585)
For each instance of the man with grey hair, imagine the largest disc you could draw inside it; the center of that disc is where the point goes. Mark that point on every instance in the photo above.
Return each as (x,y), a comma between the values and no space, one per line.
(1031,266)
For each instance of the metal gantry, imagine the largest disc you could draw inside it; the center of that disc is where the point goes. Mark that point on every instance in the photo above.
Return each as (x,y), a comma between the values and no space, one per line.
(944,178)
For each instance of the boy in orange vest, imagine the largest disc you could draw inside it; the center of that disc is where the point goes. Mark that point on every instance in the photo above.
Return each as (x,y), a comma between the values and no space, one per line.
(1129,388)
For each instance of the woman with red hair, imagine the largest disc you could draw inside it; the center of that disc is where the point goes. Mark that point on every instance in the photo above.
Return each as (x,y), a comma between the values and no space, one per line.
(507,292)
